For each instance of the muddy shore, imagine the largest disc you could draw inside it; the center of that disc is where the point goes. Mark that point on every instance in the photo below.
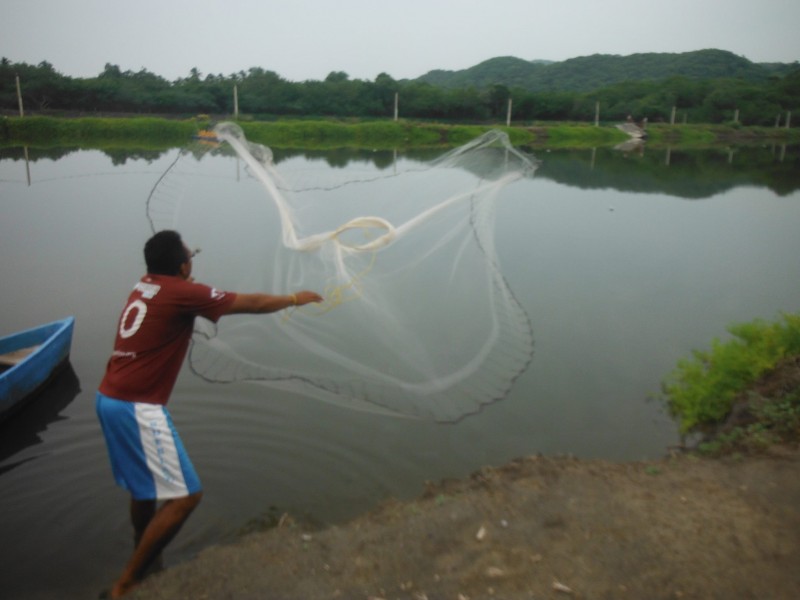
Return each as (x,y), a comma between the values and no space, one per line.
(681,527)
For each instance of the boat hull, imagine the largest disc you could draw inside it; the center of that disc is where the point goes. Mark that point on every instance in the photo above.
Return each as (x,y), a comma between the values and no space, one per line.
(22,381)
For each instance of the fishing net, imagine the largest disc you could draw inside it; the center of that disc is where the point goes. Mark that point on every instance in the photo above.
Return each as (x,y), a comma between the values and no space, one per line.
(418,320)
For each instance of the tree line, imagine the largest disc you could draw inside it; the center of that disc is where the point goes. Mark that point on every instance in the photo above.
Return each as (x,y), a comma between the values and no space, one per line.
(263,94)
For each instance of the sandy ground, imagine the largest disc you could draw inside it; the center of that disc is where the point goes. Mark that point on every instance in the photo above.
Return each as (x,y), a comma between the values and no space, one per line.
(681,527)
(539,527)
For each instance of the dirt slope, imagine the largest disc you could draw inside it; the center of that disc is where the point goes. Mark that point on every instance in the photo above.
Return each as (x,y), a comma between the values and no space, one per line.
(537,528)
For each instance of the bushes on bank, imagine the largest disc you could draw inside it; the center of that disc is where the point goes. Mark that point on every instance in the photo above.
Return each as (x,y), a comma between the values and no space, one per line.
(700,392)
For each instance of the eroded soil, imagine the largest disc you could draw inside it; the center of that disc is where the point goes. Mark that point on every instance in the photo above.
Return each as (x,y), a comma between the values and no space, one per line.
(539,527)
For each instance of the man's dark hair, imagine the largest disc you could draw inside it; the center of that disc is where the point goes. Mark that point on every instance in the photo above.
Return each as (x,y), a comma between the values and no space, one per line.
(164,253)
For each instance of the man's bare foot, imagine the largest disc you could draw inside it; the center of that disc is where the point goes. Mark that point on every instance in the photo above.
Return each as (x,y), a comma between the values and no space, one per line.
(122,588)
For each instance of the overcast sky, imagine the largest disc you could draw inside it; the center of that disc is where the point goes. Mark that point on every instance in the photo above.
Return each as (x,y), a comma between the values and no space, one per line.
(307,39)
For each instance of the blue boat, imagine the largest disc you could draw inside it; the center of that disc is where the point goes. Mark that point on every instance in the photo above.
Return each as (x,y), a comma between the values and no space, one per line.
(29,360)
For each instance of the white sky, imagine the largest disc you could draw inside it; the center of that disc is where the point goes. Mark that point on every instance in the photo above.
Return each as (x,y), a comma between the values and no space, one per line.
(307,39)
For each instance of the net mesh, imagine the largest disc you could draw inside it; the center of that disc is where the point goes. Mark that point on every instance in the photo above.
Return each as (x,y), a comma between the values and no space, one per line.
(418,320)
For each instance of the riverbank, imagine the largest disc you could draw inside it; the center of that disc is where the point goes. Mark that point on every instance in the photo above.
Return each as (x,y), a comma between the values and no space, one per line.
(686,526)
(151,131)
(682,527)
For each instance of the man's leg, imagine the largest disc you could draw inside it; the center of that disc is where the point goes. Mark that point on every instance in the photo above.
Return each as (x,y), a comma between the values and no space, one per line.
(158,532)
(142,512)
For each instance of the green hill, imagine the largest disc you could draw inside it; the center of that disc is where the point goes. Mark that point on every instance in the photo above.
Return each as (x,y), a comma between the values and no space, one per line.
(588,73)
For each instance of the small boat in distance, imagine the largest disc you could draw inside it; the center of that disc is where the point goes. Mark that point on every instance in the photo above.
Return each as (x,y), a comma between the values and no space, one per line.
(204,135)
(29,360)
(637,131)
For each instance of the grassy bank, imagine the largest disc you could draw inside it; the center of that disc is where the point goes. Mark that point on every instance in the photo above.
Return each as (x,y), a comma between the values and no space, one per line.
(155,132)
(95,132)
(370,134)
(743,392)
(149,131)
(706,136)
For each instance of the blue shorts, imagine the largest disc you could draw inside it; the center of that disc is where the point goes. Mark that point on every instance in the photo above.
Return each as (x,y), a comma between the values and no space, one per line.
(147,456)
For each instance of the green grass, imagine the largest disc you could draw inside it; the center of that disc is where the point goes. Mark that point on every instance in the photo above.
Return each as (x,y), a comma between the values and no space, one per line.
(331,134)
(582,136)
(705,135)
(368,134)
(317,134)
(94,131)
(320,133)
(701,390)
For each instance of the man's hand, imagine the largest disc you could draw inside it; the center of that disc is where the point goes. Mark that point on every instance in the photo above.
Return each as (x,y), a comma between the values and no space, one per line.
(306,297)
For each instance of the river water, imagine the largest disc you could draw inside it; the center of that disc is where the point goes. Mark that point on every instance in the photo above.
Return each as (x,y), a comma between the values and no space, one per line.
(623,262)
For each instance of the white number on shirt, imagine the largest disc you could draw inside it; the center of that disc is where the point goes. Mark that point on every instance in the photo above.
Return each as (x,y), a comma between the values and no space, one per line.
(140,309)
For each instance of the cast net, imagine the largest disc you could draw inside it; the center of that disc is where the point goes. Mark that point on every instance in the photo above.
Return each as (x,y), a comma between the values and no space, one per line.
(418,320)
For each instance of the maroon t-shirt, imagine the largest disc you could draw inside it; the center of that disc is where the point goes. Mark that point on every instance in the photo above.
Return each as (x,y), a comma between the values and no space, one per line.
(153,336)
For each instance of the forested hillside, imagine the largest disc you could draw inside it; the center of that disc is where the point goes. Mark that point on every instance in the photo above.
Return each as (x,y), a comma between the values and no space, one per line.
(587,73)
(708,86)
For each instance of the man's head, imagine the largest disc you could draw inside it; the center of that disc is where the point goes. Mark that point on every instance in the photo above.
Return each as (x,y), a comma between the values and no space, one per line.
(166,254)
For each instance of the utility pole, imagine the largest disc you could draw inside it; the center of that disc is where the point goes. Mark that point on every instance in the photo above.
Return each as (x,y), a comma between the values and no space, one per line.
(396,105)
(597,113)
(508,114)
(235,102)
(19,98)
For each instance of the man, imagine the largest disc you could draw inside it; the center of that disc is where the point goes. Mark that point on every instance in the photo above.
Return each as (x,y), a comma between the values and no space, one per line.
(147,456)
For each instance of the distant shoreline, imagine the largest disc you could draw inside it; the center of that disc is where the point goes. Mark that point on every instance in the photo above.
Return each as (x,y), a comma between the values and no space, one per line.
(95,130)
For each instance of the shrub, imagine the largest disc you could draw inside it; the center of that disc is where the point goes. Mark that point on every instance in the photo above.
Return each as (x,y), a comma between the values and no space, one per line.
(701,390)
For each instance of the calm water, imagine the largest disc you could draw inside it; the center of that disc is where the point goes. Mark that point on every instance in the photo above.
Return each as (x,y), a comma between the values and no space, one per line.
(623,262)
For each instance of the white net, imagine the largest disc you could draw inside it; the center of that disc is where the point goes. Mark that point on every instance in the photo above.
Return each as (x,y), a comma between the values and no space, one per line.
(418,320)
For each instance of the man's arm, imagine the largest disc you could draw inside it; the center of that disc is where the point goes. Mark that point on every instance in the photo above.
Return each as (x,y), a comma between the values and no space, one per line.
(266,303)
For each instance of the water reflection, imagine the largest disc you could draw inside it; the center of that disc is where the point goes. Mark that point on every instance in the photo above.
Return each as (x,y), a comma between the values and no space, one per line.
(689,174)
(631,166)
(633,145)
(23,429)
